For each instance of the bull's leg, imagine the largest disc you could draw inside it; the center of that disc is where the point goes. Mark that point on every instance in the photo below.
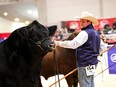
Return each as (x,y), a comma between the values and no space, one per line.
(39,84)
(70,81)
(75,79)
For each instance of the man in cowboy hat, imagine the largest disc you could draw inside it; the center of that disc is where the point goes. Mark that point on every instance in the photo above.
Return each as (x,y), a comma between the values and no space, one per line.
(87,45)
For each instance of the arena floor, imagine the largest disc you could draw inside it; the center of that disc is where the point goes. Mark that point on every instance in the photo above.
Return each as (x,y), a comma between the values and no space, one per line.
(101,79)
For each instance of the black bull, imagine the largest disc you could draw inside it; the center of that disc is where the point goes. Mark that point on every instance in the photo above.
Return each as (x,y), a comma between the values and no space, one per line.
(66,62)
(21,56)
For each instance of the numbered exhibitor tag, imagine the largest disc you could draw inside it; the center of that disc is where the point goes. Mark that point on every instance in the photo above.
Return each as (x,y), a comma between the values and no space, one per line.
(90,70)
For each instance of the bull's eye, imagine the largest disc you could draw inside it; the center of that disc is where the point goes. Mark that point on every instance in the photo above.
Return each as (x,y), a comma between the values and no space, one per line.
(44,35)
(35,36)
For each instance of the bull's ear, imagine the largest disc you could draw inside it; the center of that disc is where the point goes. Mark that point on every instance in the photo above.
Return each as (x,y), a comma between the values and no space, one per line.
(52,29)
(35,22)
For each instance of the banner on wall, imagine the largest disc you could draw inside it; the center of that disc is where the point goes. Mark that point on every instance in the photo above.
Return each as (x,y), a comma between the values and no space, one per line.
(3,36)
(104,21)
(112,60)
(75,23)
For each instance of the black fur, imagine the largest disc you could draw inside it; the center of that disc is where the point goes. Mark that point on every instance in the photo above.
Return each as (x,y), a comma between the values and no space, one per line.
(21,57)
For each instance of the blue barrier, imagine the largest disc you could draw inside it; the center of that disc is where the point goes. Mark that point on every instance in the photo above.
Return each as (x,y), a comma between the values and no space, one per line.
(112,60)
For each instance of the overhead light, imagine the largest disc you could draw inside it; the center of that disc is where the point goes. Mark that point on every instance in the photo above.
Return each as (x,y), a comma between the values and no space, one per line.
(29,11)
(17,19)
(27,22)
(5,13)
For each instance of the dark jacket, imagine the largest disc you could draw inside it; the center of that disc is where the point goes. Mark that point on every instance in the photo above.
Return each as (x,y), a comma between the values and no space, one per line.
(88,52)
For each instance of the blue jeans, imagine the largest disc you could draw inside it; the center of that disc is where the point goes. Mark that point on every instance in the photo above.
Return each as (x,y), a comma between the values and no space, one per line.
(84,80)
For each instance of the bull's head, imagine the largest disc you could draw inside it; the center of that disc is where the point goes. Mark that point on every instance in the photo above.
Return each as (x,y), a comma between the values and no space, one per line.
(40,36)
(35,34)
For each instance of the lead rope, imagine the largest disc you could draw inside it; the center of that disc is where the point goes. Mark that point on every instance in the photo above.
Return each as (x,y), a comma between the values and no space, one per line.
(105,69)
(56,67)
(77,69)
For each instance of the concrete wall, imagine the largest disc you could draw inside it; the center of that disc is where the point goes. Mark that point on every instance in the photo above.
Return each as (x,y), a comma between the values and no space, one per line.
(5,25)
(58,10)
(8,26)
(109,8)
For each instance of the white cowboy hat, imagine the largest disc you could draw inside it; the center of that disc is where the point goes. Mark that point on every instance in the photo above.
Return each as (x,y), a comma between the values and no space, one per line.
(88,16)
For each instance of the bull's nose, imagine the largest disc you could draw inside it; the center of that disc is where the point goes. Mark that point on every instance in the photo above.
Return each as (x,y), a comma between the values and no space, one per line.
(52,46)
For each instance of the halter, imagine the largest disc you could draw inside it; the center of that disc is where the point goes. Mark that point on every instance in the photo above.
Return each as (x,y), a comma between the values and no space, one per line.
(39,43)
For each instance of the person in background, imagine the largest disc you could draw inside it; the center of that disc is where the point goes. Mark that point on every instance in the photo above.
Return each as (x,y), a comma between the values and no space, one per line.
(114,26)
(87,44)
(57,36)
(107,29)
(103,37)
